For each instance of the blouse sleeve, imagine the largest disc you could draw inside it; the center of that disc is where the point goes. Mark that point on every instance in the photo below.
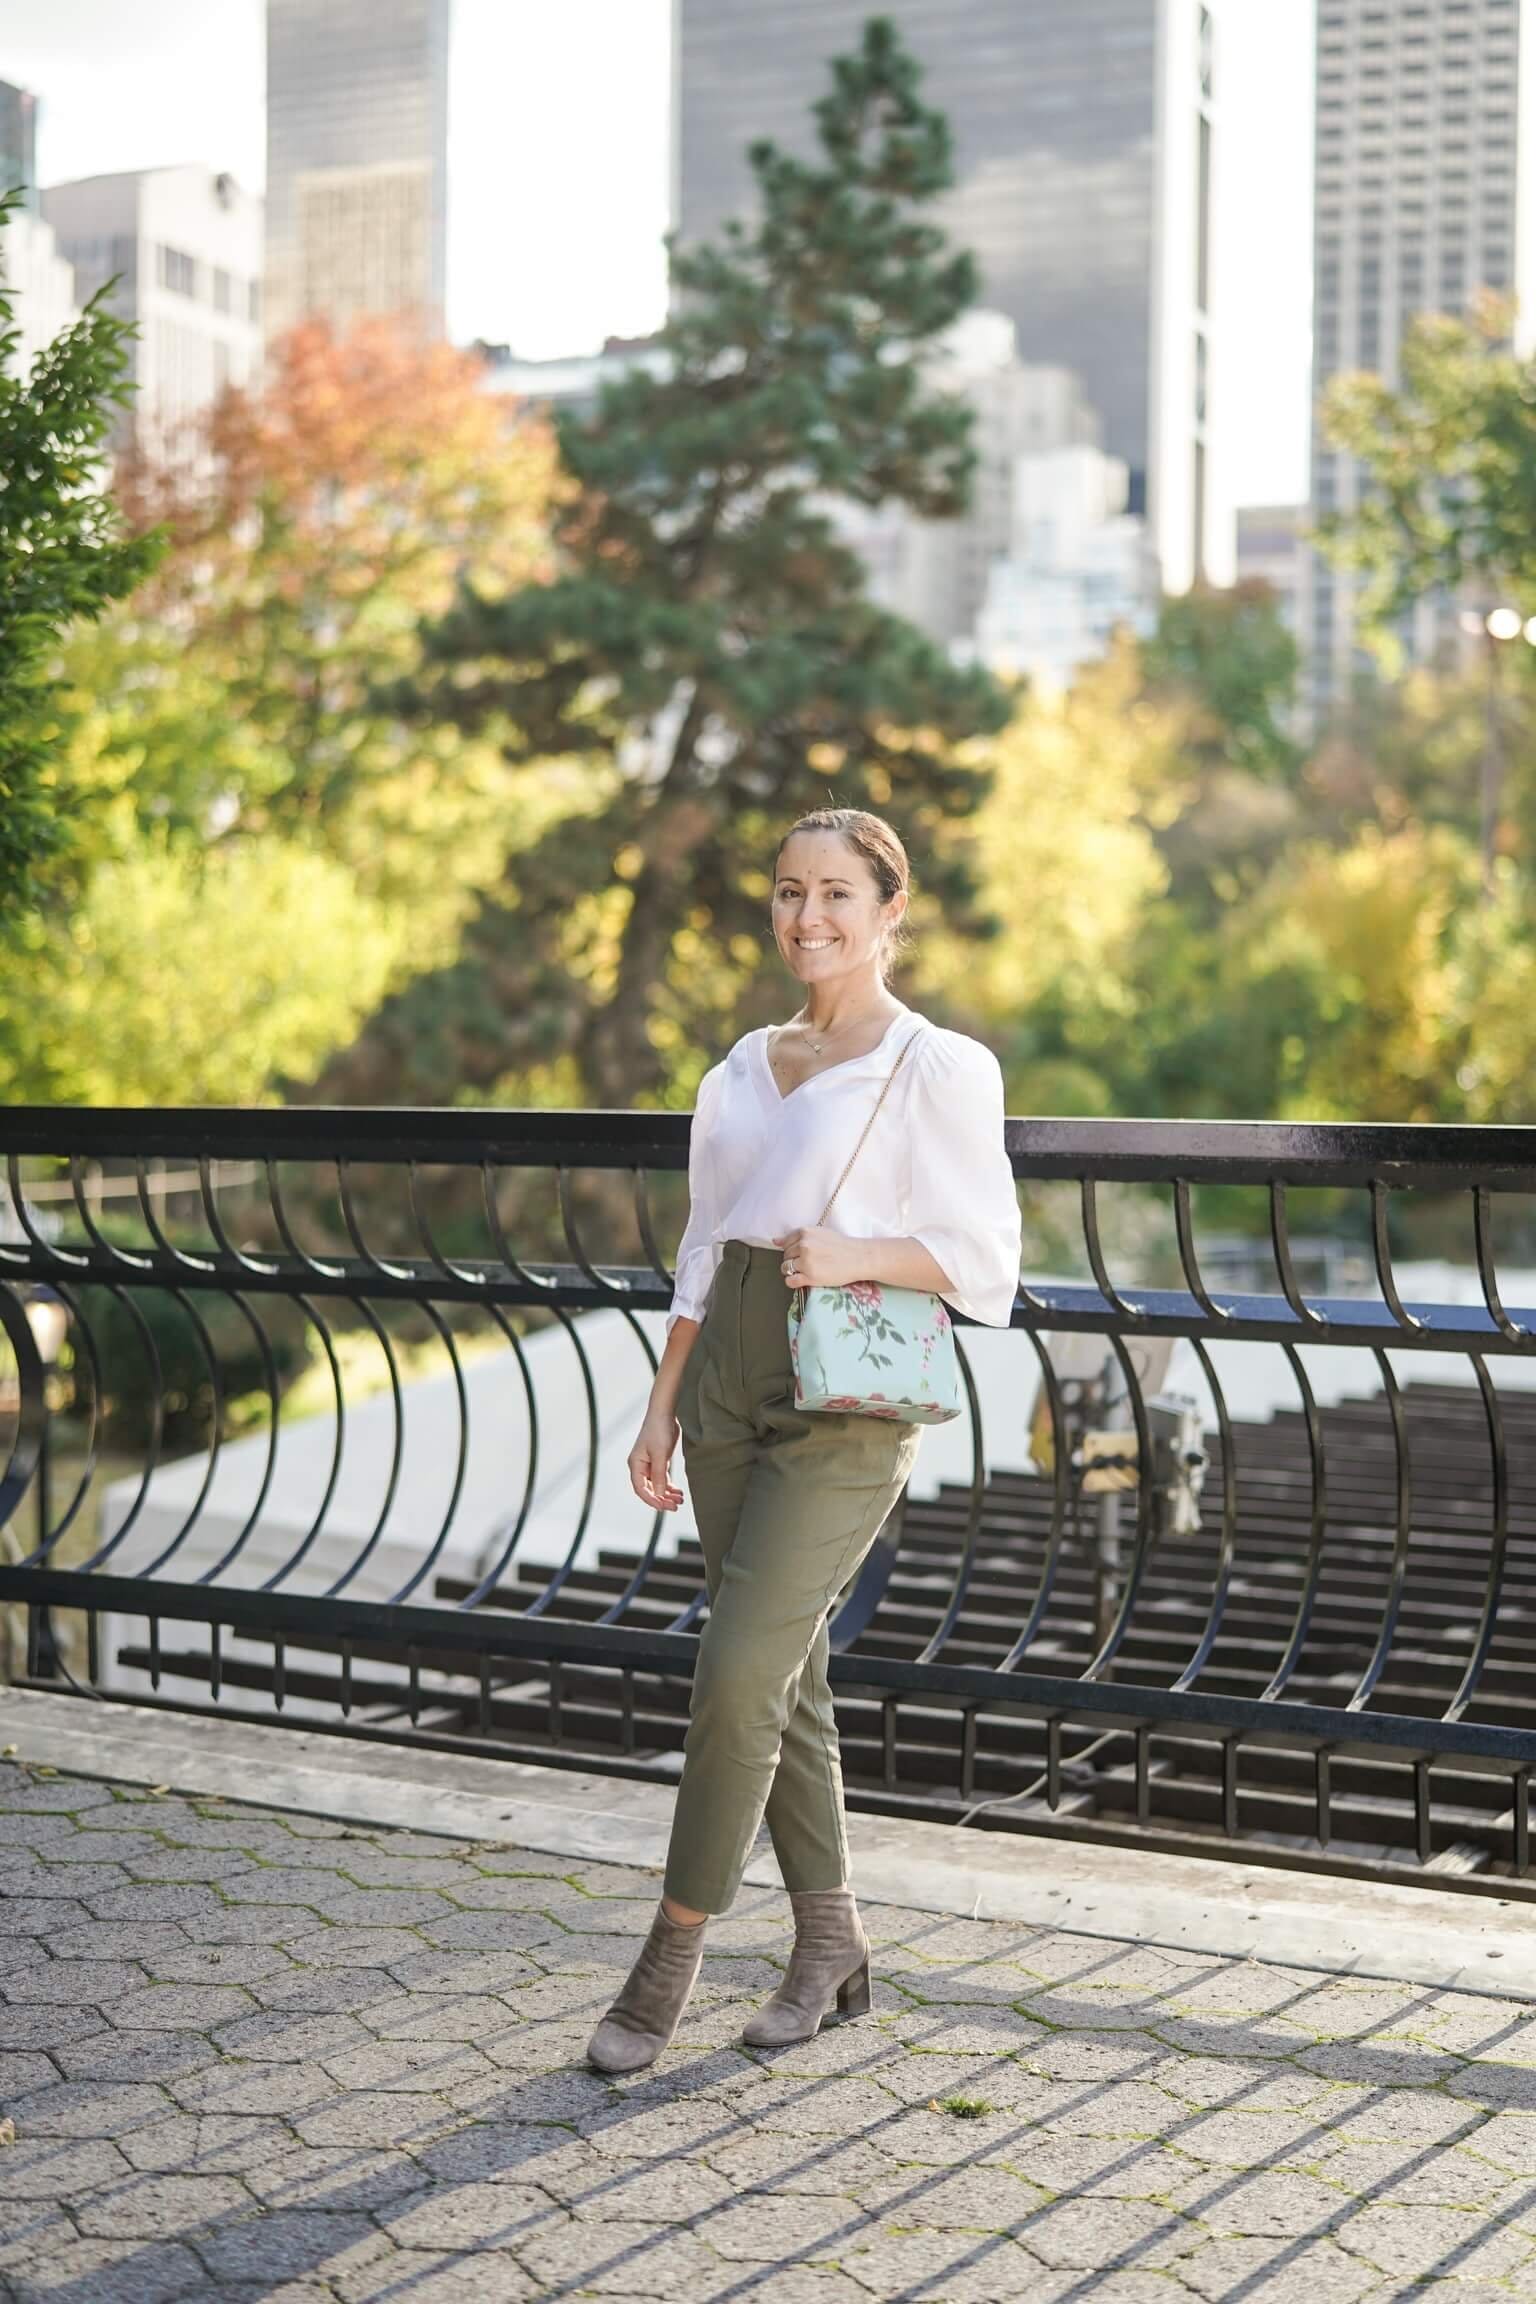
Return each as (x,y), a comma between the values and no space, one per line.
(697,1255)
(964,1207)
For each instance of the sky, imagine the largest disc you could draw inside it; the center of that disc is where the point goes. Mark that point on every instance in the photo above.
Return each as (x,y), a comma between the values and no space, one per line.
(559,172)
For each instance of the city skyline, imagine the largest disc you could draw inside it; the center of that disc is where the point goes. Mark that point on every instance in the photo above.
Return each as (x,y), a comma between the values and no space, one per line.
(118,92)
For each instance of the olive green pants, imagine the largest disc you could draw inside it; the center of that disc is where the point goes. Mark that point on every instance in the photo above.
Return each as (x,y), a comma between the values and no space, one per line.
(787,1505)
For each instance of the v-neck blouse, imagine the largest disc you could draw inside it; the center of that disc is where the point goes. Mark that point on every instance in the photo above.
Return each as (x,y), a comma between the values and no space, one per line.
(934,1168)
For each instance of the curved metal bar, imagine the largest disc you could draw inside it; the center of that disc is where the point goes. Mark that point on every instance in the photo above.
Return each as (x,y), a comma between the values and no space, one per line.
(1117,1631)
(274,1432)
(450,1271)
(14,1259)
(1482,1229)
(21,1464)
(561,1576)
(1106,1287)
(67,1518)
(1392,1606)
(647,1231)
(311,1264)
(498,1568)
(226,1246)
(519,1272)
(376,1264)
(151,1351)
(205,1342)
(967,1561)
(178,1256)
(1302,1622)
(1061,1497)
(1227,1553)
(1493,1591)
(66,1259)
(614,1290)
(281,1575)
(647,1558)
(364,1309)
(1184,1226)
(461,1461)
(1280,1236)
(1383,1253)
(125,1257)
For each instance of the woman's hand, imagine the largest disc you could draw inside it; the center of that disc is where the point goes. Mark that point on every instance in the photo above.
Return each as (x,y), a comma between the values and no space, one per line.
(822,1258)
(650,1458)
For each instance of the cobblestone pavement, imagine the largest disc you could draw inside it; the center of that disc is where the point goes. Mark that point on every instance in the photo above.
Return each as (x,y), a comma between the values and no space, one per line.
(250,2055)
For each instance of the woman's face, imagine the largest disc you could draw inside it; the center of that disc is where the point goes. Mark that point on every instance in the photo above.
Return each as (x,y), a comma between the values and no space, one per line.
(828,920)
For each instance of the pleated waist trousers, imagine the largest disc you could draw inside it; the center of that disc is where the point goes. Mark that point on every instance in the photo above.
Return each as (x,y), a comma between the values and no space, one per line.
(788,1505)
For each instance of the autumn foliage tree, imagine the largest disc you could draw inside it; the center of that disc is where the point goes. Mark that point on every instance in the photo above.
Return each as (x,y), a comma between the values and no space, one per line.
(265,849)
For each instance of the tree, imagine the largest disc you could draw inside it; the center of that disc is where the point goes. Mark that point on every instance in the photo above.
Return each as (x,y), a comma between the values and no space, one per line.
(1071,881)
(262,844)
(707,639)
(65,555)
(1450,463)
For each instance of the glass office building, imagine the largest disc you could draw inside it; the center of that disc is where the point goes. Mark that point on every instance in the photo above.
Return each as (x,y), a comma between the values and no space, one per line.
(357,144)
(1083,152)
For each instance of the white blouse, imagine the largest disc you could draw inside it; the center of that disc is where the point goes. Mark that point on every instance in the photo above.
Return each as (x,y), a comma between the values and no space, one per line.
(933,1169)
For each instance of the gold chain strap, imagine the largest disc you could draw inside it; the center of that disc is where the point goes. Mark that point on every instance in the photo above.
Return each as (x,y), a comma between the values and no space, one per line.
(869,1123)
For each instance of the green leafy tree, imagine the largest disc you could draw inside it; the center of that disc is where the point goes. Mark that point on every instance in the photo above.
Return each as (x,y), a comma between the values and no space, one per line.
(65,555)
(1450,462)
(707,642)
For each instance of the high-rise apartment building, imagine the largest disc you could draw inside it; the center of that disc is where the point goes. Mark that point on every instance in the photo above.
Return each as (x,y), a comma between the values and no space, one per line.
(18,142)
(1424,172)
(357,159)
(184,247)
(1085,145)
(39,282)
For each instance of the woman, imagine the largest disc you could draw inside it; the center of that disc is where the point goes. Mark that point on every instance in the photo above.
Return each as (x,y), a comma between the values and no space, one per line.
(788,1503)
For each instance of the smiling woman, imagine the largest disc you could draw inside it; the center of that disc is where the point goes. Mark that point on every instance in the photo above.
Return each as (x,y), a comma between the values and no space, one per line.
(856,1103)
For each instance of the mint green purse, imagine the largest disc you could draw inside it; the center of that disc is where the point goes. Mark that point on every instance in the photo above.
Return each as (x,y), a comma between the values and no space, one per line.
(870,1350)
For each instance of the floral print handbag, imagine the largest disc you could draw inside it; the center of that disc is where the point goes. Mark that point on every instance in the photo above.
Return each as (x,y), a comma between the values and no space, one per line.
(870,1350)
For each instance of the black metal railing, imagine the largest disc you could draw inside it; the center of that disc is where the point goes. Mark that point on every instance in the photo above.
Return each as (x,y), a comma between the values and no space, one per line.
(301,1419)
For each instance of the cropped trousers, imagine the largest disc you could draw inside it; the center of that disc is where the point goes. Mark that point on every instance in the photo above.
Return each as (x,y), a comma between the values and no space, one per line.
(787,1505)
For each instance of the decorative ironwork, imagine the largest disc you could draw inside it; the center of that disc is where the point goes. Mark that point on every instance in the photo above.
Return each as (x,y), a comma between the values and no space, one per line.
(1303,1633)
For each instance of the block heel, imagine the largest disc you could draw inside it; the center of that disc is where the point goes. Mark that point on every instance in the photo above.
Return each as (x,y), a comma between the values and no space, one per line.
(853,1992)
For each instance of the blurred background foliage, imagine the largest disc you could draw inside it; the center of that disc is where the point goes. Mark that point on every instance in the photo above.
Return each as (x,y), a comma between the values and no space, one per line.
(439,753)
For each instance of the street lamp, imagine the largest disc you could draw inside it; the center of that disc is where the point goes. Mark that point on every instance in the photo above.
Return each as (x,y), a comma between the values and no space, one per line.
(1499,625)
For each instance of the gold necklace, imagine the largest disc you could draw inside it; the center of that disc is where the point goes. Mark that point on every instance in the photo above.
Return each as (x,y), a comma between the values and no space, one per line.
(818,1045)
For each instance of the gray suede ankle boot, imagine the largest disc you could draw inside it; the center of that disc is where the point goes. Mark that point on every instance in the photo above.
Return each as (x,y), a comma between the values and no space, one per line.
(646,2013)
(829,1964)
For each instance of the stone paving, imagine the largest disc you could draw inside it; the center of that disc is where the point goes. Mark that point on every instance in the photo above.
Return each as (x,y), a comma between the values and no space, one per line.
(253,2055)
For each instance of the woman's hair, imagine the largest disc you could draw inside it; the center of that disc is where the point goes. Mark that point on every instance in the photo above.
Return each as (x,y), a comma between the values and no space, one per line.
(880,846)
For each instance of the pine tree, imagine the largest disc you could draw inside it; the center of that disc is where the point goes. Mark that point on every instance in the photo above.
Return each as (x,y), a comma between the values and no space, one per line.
(708,645)
(65,555)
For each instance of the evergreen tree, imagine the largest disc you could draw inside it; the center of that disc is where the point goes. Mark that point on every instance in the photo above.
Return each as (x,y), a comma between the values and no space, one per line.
(707,644)
(65,555)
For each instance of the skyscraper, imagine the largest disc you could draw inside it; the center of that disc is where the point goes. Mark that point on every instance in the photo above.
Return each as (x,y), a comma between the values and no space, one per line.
(1084,156)
(18,142)
(1421,142)
(357,159)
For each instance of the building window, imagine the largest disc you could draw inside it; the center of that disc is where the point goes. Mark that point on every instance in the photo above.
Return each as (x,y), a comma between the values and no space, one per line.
(178,271)
(223,290)
(254,307)
(1203,220)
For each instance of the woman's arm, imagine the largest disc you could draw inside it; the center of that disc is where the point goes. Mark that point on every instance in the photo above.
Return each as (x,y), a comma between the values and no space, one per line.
(827,1259)
(650,1459)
